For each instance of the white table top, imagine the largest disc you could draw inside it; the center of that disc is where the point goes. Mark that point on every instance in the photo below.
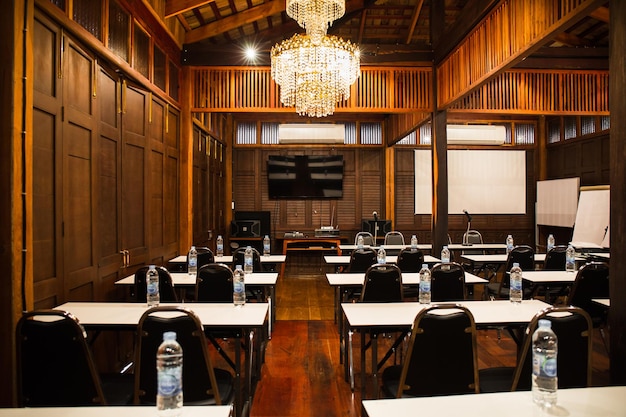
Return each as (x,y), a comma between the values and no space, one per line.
(408,278)
(420,246)
(498,258)
(544,277)
(498,312)
(128,314)
(576,402)
(345,259)
(183,278)
(228,259)
(107,411)
(477,246)
(604,301)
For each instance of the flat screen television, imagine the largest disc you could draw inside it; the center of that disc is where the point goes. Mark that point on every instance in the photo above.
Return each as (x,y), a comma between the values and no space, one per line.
(251,224)
(305,176)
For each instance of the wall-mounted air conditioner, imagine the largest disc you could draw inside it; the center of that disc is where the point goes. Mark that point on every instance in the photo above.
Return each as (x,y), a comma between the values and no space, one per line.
(313,133)
(476,134)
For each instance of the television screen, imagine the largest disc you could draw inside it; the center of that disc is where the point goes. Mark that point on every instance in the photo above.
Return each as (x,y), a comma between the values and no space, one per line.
(305,176)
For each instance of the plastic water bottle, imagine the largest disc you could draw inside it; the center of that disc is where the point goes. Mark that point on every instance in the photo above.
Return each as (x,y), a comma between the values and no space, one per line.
(152,287)
(424,295)
(169,377)
(239,287)
(413,243)
(570,259)
(266,245)
(248,261)
(550,242)
(219,246)
(509,244)
(192,262)
(544,377)
(382,255)
(359,242)
(445,255)
(515,288)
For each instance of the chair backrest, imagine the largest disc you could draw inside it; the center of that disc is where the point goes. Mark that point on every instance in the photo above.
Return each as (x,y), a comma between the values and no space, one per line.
(368,238)
(555,259)
(166,286)
(214,284)
(524,255)
(54,363)
(441,357)
(574,332)
(205,256)
(382,284)
(447,282)
(410,260)
(394,238)
(361,260)
(238,259)
(472,237)
(592,281)
(198,374)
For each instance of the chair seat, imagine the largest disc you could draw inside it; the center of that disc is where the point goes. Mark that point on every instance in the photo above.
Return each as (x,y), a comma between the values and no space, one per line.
(118,388)
(225,384)
(498,379)
(390,379)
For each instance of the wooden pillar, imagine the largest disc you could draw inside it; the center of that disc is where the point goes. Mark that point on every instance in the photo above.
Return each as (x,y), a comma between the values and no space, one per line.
(439,145)
(16,102)
(617,106)
(186,162)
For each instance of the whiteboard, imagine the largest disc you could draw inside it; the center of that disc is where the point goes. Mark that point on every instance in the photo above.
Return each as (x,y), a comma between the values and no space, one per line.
(592,218)
(479,181)
(557,202)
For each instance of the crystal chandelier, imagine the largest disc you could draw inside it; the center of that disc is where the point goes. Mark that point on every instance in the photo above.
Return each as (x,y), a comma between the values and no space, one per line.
(315,16)
(313,77)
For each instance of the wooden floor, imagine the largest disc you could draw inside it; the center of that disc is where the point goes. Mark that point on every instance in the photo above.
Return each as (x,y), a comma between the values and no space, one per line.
(302,374)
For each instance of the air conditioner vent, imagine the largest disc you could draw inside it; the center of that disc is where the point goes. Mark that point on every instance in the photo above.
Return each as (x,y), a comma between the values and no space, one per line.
(476,134)
(311,133)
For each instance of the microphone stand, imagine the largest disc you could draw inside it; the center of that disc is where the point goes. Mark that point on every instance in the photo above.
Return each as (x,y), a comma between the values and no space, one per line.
(466,238)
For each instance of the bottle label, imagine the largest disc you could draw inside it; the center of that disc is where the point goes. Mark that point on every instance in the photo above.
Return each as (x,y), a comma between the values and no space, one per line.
(266,248)
(170,381)
(248,261)
(220,248)
(193,262)
(424,286)
(238,287)
(544,366)
(152,288)
(516,284)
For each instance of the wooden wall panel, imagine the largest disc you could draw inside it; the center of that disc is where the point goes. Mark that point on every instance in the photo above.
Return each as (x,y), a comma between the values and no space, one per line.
(585,158)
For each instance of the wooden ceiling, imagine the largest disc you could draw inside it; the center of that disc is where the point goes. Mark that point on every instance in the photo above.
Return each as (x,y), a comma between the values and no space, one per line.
(388,32)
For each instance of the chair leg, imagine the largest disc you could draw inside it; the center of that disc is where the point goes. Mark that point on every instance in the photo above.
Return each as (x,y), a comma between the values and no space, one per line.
(350,361)
(604,339)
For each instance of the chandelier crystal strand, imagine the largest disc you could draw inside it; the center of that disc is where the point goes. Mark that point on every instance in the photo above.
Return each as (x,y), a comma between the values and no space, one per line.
(313,77)
(315,16)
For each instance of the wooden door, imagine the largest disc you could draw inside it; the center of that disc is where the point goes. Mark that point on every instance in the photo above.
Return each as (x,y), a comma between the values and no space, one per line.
(77,171)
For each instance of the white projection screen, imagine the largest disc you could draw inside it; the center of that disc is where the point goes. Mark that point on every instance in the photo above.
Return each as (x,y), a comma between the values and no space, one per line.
(479,181)
(557,202)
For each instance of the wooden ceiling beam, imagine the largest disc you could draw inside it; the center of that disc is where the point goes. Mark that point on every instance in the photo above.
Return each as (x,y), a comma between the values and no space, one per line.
(416,13)
(234,21)
(175,7)
(601,14)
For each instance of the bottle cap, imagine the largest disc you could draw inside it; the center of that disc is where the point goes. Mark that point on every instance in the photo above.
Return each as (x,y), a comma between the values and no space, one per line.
(169,336)
(515,264)
(425,266)
(545,323)
(237,266)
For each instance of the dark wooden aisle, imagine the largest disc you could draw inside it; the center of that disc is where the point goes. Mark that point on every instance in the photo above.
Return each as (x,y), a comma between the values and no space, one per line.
(302,374)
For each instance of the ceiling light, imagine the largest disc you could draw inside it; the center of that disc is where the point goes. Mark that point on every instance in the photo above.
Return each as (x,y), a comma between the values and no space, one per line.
(315,16)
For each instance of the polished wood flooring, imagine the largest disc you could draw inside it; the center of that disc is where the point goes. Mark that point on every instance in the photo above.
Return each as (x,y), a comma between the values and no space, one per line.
(302,374)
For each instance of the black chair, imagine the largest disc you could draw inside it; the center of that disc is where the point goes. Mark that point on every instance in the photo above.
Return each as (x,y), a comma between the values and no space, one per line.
(214,284)
(393,238)
(554,261)
(55,365)
(573,330)
(205,256)
(361,260)
(202,383)
(410,260)
(166,286)
(447,282)
(239,255)
(382,284)
(368,238)
(523,255)
(592,281)
(441,357)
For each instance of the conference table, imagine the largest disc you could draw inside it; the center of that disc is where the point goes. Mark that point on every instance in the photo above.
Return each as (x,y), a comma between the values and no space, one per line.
(119,411)
(420,246)
(339,261)
(551,281)
(364,317)
(256,279)
(179,263)
(572,402)
(251,319)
